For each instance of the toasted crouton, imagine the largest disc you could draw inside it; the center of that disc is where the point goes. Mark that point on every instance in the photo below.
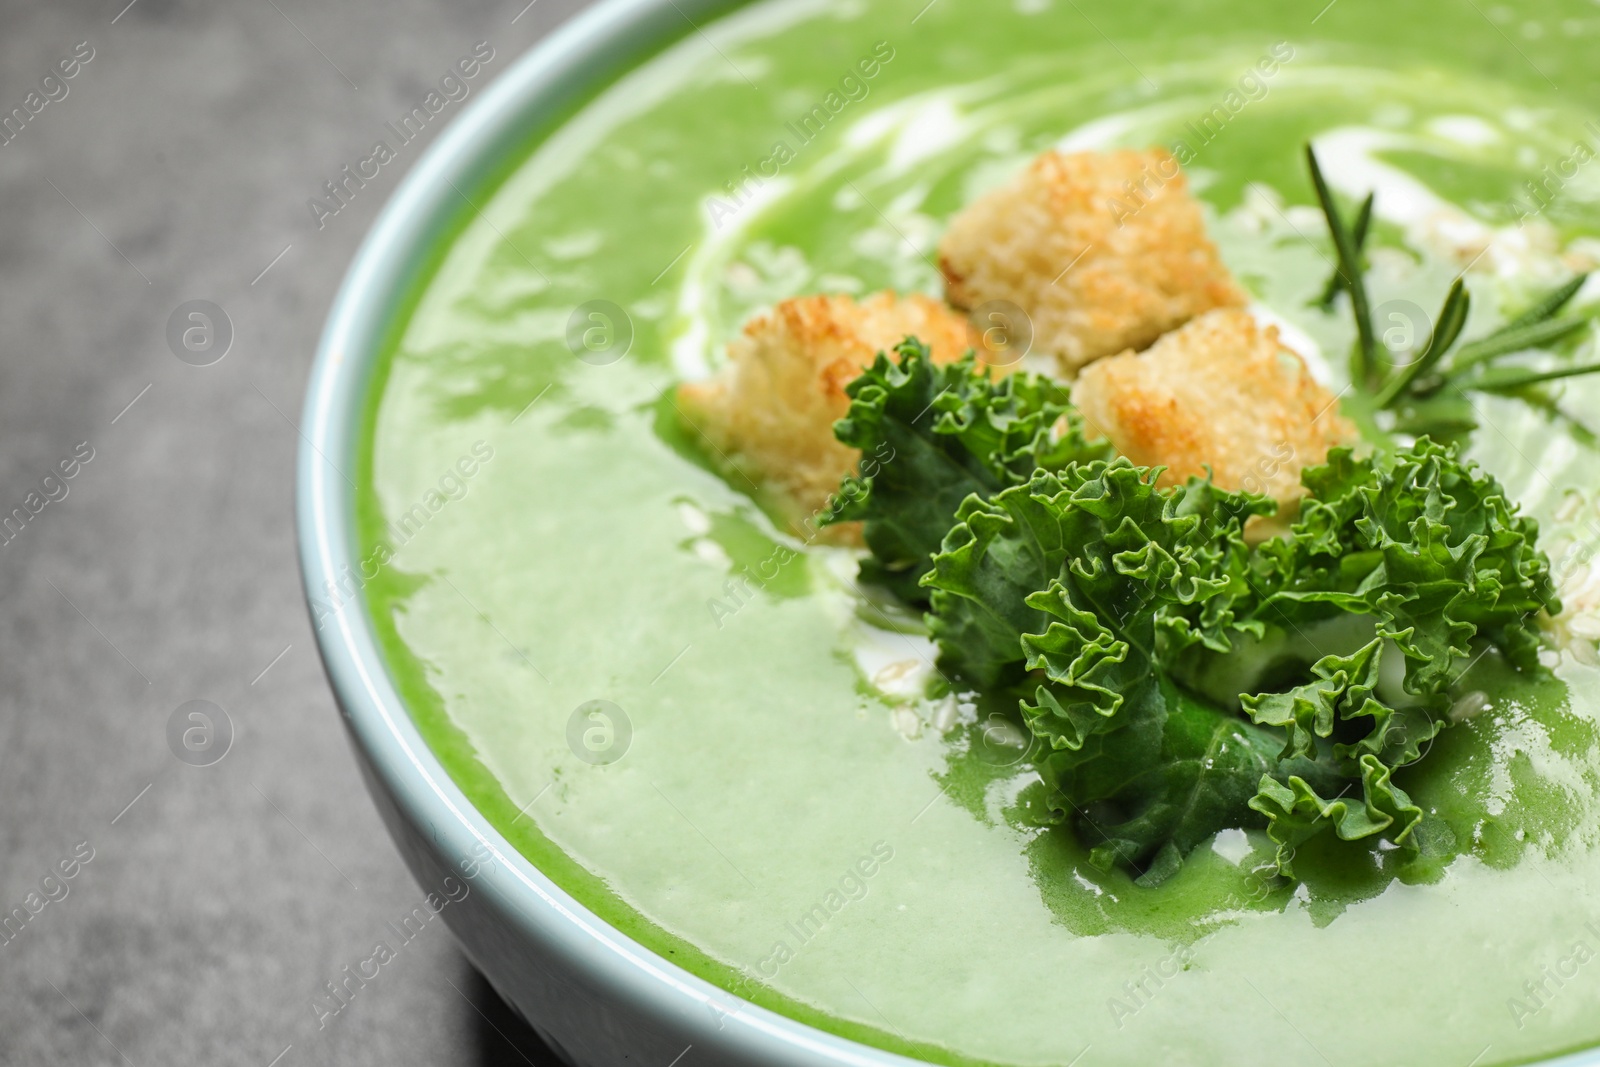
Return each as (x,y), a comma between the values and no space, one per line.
(769,413)
(1221,392)
(1104,251)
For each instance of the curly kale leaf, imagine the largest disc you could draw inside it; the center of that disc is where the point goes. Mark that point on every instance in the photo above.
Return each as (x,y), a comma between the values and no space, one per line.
(1343,694)
(1341,701)
(1174,771)
(938,434)
(1087,572)
(1106,598)
(1425,543)
(1428,547)
(1297,812)
(1140,579)
(1135,622)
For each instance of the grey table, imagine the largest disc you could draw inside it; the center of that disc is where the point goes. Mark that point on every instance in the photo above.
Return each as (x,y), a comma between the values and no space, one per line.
(175,164)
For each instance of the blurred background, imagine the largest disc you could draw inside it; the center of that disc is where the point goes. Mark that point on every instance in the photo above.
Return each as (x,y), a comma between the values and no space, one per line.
(162,708)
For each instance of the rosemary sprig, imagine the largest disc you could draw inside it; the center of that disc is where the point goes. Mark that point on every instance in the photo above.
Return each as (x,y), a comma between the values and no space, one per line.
(1414,389)
(1367,371)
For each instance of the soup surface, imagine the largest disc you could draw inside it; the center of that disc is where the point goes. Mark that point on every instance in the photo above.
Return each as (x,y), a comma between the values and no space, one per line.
(687,718)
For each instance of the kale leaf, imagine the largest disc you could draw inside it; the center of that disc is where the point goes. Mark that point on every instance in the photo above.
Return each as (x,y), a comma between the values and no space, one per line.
(1104,600)
(1424,542)
(1177,679)
(1428,547)
(1136,582)
(939,433)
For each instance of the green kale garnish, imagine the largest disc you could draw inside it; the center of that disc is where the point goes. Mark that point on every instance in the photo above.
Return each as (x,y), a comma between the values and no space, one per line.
(941,434)
(1425,543)
(1177,679)
(1089,591)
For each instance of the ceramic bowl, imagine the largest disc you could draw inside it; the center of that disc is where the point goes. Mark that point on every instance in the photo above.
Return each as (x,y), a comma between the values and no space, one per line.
(596,997)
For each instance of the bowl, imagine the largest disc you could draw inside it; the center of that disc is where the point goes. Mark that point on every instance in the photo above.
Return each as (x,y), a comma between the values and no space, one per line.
(594,995)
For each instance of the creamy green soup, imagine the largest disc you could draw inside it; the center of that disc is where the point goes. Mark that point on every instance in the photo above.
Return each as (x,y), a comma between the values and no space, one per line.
(688,718)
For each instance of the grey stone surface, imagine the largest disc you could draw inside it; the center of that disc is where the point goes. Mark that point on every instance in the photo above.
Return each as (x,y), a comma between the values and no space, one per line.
(219,898)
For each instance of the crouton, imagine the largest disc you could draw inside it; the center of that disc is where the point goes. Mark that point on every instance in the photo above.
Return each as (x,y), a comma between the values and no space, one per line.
(1104,251)
(769,413)
(1222,392)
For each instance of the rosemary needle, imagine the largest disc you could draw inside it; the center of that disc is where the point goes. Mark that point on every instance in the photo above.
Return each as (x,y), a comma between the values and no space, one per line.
(1355,281)
(1512,382)
(1362,226)
(1514,338)
(1452,318)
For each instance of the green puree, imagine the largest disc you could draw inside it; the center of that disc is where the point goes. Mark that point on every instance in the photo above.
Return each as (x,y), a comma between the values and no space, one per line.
(779,825)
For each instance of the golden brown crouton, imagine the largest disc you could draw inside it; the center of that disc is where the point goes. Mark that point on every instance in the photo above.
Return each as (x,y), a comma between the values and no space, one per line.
(769,413)
(1104,251)
(1221,392)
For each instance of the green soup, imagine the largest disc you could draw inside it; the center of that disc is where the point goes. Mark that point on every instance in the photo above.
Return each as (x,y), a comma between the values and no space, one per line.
(763,796)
